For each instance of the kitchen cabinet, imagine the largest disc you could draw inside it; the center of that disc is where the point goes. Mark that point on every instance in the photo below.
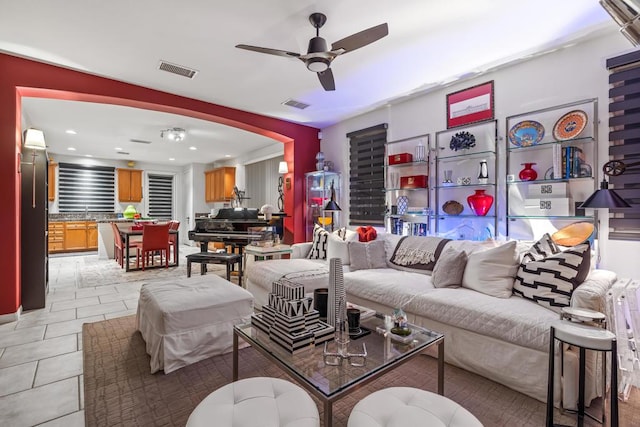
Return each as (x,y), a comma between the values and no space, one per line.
(129,185)
(92,236)
(73,236)
(465,181)
(407,186)
(56,237)
(52,181)
(219,184)
(551,156)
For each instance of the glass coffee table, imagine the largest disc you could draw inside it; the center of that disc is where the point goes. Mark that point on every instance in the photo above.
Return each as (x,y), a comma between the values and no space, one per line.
(330,382)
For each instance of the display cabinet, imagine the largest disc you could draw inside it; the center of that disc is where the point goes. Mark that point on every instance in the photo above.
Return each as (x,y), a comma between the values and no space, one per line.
(407,186)
(318,187)
(551,156)
(465,182)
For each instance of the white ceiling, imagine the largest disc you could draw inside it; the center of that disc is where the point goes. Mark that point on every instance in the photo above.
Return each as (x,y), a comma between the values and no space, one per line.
(430,43)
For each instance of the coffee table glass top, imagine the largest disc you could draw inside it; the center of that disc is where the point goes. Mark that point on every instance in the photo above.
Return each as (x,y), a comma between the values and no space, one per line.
(309,364)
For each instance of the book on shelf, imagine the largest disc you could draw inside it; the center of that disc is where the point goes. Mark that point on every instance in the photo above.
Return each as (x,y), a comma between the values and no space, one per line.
(572,160)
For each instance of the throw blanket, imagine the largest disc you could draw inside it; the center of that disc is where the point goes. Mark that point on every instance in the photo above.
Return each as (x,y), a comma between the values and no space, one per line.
(418,252)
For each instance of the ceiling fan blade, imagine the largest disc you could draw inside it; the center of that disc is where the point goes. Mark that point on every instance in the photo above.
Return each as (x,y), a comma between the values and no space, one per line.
(268,50)
(326,79)
(363,38)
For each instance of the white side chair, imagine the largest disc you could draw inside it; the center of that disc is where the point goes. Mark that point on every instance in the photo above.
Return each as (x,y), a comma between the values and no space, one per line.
(406,406)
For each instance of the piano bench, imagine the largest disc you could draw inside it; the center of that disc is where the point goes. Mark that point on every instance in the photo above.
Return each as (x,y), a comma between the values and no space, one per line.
(205,258)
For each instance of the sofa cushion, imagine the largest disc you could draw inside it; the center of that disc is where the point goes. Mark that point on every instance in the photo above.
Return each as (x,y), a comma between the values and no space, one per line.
(338,248)
(551,281)
(418,254)
(449,268)
(386,286)
(367,255)
(492,271)
(319,246)
(541,249)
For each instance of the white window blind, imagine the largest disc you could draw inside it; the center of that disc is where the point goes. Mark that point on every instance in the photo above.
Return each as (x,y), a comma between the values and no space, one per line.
(160,196)
(86,188)
(262,182)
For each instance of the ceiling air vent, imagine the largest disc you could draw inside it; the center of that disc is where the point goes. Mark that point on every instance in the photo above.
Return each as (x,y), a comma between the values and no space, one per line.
(140,141)
(123,152)
(295,104)
(177,69)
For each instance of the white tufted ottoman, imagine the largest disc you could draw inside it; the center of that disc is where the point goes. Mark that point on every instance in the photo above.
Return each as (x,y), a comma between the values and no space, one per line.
(253,402)
(183,321)
(405,406)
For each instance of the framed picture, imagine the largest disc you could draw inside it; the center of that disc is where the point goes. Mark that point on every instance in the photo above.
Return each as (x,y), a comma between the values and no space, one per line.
(471,105)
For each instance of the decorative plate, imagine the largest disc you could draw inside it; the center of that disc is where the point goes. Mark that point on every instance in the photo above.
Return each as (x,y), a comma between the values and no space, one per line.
(462,141)
(570,125)
(526,133)
(452,208)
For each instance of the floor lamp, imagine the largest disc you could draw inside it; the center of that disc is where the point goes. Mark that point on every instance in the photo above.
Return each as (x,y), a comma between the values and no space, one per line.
(34,139)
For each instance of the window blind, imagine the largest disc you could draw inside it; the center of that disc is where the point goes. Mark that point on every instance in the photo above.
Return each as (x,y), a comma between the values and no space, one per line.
(86,188)
(624,142)
(160,196)
(262,182)
(366,175)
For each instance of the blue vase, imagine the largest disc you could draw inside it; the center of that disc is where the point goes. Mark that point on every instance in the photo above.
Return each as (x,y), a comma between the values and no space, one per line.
(403,204)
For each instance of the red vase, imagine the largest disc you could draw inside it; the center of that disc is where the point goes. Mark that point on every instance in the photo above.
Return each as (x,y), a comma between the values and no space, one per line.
(480,203)
(528,173)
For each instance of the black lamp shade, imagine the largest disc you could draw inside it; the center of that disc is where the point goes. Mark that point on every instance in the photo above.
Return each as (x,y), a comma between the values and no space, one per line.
(605,198)
(332,206)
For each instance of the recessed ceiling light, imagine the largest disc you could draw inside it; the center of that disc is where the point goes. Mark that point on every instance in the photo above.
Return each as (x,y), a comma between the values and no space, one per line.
(171,158)
(71,132)
(88,155)
(71,149)
(118,148)
(227,155)
(193,148)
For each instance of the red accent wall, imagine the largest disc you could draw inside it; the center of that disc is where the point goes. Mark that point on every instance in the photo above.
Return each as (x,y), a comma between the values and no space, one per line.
(22,77)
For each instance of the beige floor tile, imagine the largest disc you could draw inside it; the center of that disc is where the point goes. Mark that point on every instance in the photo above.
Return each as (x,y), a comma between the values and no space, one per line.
(75,419)
(40,404)
(38,350)
(81,382)
(94,292)
(120,314)
(69,327)
(7,327)
(44,318)
(79,335)
(119,297)
(17,378)
(79,302)
(126,288)
(131,304)
(95,310)
(61,295)
(58,368)
(22,336)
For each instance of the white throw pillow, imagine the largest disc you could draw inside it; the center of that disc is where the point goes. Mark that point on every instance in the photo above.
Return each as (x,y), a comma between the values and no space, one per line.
(319,245)
(367,255)
(449,269)
(338,248)
(492,271)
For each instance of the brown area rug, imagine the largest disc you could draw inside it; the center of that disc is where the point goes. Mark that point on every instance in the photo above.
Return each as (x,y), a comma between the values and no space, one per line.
(119,390)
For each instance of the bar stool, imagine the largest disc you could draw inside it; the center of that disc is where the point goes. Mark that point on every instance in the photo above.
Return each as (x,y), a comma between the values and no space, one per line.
(585,338)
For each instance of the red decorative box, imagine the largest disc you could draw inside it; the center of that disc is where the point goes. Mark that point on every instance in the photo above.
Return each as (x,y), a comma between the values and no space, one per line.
(400,158)
(414,181)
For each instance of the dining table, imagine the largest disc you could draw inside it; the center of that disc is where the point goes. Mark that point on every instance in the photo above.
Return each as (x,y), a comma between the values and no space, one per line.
(126,232)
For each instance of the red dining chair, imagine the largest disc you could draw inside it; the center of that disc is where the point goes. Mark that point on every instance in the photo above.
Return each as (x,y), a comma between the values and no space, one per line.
(155,238)
(173,242)
(118,245)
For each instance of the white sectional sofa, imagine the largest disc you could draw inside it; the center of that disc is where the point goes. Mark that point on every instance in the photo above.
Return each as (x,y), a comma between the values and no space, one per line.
(503,339)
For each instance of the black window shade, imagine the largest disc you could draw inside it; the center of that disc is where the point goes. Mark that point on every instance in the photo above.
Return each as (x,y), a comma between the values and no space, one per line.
(160,196)
(624,142)
(86,188)
(366,175)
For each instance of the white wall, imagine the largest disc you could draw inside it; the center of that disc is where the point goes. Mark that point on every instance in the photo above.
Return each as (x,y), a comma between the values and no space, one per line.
(570,74)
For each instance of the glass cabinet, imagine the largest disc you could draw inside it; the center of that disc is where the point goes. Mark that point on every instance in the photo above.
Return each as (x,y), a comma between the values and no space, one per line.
(551,155)
(465,182)
(407,186)
(318,187)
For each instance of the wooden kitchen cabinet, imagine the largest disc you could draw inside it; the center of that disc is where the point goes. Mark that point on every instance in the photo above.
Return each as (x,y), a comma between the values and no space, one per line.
(56,236)
(73,236)
(219,184)
(52,181)
(92,236)
(129,185)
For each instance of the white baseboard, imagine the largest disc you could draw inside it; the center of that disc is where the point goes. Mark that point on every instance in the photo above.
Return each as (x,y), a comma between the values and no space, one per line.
(11,317)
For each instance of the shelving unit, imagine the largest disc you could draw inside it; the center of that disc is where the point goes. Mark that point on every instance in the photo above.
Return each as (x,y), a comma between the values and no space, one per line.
(318,193)
(550,202)
(406,173)
(463,167)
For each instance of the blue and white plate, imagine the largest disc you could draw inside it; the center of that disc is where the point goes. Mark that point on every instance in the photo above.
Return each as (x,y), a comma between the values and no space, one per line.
(526,133)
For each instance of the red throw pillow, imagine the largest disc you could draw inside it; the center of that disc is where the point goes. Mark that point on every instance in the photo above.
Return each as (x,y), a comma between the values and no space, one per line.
(366,234)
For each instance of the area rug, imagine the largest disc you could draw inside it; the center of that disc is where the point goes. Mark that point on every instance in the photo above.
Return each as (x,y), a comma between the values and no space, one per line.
(91,271)
(119,390)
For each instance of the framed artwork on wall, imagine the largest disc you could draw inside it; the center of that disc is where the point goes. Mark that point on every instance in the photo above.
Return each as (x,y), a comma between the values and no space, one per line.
(471,105)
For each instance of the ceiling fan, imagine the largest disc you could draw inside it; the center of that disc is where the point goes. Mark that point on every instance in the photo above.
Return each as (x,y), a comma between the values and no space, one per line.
(318,58)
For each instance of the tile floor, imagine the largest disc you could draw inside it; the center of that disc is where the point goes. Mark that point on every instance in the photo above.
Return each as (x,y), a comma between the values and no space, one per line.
(41,354)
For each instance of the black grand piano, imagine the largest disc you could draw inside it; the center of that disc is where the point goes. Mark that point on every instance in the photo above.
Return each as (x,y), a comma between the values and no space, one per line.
(235,227)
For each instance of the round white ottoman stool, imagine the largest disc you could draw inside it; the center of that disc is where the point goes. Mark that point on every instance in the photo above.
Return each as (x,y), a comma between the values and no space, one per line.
(406,406)
(253,402)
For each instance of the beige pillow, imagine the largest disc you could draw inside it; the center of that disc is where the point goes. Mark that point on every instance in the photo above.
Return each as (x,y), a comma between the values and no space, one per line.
(367,255)
(492,271)
(449,269)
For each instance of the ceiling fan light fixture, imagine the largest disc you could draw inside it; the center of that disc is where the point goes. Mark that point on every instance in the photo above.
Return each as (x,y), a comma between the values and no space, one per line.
(173,134)
(317,64)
